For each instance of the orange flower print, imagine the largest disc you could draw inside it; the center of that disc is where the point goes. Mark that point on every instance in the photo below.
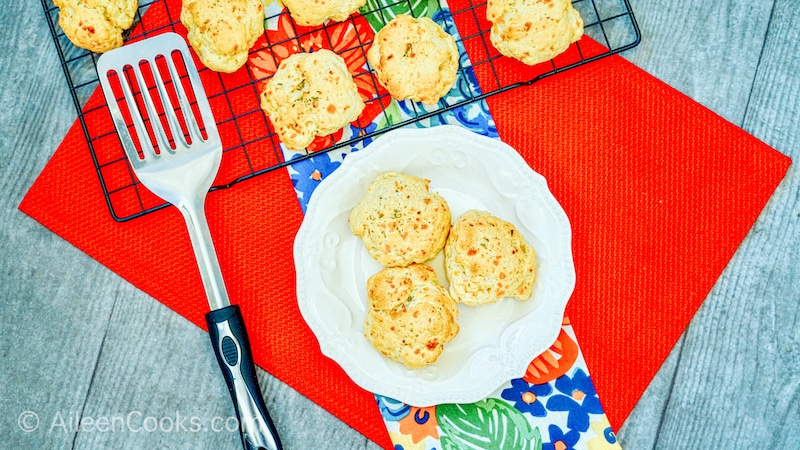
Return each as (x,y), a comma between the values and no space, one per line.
(554,362)
(420,423)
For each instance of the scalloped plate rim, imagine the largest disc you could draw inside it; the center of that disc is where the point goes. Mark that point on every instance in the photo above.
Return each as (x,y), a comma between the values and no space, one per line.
(414,392)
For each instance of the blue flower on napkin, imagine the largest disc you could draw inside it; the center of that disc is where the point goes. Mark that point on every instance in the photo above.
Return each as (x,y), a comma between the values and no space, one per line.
(526,396)
(357,131)
(308,173)
(557,435)
(580,400)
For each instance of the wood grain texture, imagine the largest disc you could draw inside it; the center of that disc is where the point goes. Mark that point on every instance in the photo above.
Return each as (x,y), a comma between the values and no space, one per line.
(79,340)
(733,380)
(707,50)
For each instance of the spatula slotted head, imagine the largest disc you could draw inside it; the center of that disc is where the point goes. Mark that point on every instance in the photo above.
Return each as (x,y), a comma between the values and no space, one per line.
(156,99)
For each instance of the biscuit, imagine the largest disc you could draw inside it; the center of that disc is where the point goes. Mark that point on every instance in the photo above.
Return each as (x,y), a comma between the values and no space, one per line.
(400,221)
(95,25)
(533,31)
(222,32)
(414,59)
(316,12)
(409,315)
(311,94)
(486,259)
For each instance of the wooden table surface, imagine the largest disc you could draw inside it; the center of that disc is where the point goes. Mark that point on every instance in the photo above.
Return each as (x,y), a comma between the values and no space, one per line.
(72,331)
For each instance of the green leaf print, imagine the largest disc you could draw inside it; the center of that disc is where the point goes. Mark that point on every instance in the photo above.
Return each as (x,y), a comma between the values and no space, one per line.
(379,12)
(487,424)
(392,115)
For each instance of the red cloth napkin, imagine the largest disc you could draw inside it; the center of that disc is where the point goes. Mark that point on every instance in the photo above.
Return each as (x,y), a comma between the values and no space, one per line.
(659,190)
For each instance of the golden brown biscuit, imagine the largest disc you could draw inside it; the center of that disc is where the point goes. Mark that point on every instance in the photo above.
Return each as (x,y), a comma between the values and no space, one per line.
(316,12)
(414,59)
(311,94)
(400,221)
(222,32)
(95,25)
(409,315)
(486,259)
(533,31)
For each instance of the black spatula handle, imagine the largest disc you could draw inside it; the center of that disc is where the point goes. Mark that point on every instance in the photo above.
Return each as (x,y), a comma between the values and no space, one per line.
(232,347)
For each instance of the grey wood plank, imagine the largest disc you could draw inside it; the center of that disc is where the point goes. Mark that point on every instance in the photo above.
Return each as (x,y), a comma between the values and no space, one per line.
(707,50)
(738,378)
(158,377)
(73,345)
(50,343)
(736,382)
(73,339)
(53,318)
(155,381)
(710,52)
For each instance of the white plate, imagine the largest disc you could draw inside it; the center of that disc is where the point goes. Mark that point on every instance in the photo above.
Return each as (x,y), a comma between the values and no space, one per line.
(496,342)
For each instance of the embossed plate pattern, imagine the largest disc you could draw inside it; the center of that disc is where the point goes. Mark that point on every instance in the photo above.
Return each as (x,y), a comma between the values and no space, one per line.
(496,342)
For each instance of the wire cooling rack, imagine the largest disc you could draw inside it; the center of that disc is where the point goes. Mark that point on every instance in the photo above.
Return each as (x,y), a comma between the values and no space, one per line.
(251,146)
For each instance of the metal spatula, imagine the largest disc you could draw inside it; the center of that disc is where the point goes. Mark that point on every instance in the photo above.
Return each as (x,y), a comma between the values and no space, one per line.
(154,83)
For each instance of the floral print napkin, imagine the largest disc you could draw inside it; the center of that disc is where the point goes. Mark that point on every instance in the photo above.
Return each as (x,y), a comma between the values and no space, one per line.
(282,39)
(554,405)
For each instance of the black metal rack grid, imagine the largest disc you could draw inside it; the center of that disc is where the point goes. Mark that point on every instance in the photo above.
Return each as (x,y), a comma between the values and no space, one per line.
(609,23)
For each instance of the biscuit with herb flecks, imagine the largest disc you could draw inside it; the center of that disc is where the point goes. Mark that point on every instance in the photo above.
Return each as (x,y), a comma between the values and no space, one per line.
(410,317)
(316,12)
(310,95)
(400,221)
